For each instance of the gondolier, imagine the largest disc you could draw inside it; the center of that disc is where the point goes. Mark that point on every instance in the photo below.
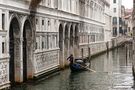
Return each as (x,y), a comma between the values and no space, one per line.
(74,66)
(71,59)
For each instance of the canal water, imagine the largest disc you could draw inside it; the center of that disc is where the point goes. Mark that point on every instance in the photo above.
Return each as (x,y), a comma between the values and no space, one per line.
(113,72)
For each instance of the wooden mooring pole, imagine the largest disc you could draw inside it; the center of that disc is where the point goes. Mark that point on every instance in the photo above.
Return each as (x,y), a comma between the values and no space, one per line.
(133,52)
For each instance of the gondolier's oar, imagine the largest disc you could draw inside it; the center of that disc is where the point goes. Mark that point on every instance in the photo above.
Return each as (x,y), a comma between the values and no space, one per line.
(88,68)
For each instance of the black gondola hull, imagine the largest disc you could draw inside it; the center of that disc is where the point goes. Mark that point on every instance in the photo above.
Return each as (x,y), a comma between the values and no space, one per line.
(76,67)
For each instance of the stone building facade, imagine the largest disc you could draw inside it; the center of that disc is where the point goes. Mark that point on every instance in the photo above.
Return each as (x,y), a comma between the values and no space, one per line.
(116,6)
(30,47)
(108,22)
(129,22)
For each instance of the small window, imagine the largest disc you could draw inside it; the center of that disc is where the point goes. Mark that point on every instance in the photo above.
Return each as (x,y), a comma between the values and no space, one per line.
(36,21)
(48,3)
(42,22)
(3,47)
(114,10)
(3,21)
(42,44)
(114,1)
(48,22)
(36,45)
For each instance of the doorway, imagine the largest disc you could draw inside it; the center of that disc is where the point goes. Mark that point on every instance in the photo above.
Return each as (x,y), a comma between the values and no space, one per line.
(14,49)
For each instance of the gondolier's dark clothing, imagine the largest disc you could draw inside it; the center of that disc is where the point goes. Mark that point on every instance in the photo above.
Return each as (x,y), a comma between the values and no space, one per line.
(71,59)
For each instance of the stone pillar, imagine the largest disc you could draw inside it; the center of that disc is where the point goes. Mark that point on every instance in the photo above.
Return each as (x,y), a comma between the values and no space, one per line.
(6,20)
(62,64)
(63,54)
(73,38)
(0,19)
(68,48)
(21,59)
(118,26)
(30,58)
(7,29)
(17,58)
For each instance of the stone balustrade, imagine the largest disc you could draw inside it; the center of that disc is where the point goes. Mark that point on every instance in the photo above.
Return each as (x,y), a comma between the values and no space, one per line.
(45,61)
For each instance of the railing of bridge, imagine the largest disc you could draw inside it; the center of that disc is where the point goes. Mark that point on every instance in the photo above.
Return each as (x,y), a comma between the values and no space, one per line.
(122,39)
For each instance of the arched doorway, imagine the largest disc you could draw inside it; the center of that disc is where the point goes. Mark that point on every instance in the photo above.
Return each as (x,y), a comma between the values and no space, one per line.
(14,50)
(71,39)
(27,51)
(76,35)
(66,36)
(76,41)
(66,43)
(61,46)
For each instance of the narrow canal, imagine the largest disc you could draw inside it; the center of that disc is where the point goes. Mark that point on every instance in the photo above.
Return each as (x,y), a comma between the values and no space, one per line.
(114,72)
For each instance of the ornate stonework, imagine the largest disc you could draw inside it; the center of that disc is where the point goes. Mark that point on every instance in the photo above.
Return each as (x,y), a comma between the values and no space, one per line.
(46,60)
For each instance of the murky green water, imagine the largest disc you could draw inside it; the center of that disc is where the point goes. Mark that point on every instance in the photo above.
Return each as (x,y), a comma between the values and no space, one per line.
(114,72)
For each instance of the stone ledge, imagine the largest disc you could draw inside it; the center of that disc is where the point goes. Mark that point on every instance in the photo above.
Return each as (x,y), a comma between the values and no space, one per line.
(4,59)
(5,86)
(3,32)
(48,50)
(46,71)
(98,42)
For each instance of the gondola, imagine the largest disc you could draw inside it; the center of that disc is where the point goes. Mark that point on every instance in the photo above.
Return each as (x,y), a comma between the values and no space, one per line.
(78,65)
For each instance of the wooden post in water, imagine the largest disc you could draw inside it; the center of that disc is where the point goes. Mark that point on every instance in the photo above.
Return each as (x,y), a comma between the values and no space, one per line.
(126,53)
(89,57)
(133,52)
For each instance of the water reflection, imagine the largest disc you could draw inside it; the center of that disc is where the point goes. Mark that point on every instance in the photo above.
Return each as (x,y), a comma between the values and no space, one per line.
(113,73)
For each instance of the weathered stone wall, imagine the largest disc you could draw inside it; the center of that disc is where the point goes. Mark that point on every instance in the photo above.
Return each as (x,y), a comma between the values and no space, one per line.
(92,49)
(4,72)
(98,47)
